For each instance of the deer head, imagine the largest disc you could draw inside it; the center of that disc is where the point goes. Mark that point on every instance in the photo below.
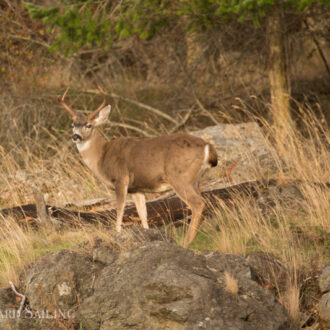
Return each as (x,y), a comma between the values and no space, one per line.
(83,126)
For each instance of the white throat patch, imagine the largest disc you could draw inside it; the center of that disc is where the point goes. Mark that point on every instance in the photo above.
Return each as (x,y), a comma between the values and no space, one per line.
(82,146)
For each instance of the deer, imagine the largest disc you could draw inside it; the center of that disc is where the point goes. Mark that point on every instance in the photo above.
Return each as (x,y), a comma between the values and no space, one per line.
(140,165)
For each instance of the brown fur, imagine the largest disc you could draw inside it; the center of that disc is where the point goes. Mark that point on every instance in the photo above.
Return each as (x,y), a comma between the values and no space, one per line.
(137,166)
(140,159)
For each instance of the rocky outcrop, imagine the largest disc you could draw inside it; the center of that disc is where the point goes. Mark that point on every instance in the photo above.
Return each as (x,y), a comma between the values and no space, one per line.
(149,284)
(268,269)
(324,303)
(62,279)
(324,281)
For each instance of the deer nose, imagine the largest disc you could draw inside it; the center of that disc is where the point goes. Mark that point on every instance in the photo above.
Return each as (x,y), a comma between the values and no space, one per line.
(76,137)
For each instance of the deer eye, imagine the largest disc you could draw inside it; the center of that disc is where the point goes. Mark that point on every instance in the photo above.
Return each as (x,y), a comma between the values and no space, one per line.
(88,126)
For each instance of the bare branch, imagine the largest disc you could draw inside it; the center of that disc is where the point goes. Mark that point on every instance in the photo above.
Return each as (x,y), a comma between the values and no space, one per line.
(139,104)
(133,128)
(38,42)
(183,121)
(318,46)
(20,295)
(208,113)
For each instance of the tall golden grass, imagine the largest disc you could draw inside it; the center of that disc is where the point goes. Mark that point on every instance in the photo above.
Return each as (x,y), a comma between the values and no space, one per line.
(294,232)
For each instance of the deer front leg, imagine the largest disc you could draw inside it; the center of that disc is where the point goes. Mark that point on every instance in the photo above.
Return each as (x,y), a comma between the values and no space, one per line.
(140,203)
(121,194)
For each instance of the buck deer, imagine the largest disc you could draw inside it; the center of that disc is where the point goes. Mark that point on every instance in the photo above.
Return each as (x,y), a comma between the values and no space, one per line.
(137,166)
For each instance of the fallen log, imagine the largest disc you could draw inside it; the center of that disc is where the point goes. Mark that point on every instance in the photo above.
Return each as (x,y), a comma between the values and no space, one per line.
(161,211)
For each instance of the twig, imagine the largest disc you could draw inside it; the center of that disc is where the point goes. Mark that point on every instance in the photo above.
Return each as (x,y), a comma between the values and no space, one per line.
(226,173)
(208,113)
(133,128)
(137,103)
(145,106)
(317,44)
(140,123)
(75,290)
(50,305)
(183,121)
(20,295)
(41,43)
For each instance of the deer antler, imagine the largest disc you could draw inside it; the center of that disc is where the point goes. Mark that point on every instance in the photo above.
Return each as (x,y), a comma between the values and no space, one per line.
(93,114)
(66,107)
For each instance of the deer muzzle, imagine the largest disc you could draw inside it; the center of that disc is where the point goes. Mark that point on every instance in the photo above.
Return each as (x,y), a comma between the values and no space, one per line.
(76,138)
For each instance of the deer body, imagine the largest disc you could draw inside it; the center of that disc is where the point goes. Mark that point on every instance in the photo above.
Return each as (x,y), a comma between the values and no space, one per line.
(137,166)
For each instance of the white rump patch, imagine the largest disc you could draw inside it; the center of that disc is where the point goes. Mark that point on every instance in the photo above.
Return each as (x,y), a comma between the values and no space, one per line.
(82,146)
(206,154)
(204,165)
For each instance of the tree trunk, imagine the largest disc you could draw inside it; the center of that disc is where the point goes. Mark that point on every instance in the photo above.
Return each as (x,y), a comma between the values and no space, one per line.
(278,79)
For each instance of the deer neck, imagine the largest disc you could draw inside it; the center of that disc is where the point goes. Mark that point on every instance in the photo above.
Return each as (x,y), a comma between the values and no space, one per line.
(91,150)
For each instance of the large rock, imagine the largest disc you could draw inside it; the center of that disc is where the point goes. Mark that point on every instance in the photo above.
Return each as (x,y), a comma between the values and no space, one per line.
(61,279)
(242,143)
(163,286)
(324,303)
(155,285)
(324,310)
(324,280)
(268,269)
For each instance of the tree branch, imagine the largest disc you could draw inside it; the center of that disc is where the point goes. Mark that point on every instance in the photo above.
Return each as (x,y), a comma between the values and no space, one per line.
(137,103)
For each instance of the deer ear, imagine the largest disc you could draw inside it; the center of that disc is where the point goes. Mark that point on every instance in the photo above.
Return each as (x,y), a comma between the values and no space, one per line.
(102,116)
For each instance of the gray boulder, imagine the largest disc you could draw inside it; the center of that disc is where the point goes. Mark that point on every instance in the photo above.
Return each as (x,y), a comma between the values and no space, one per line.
(154,285)
(268,269)
(324,303)
(160,285)
(324,280)
(324,310)
(60,280)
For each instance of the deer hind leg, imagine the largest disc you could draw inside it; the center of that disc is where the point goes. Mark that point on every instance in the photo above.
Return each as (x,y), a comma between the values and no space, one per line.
(194,200)
(140,203)
(121,194)
(197,207)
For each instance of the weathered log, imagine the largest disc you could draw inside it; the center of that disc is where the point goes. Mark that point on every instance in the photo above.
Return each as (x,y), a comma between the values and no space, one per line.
(161,211)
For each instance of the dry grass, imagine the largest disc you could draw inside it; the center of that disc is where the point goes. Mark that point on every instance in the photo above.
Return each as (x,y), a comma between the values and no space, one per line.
(296,233)
(20,247)
(291,301)
(231,284)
